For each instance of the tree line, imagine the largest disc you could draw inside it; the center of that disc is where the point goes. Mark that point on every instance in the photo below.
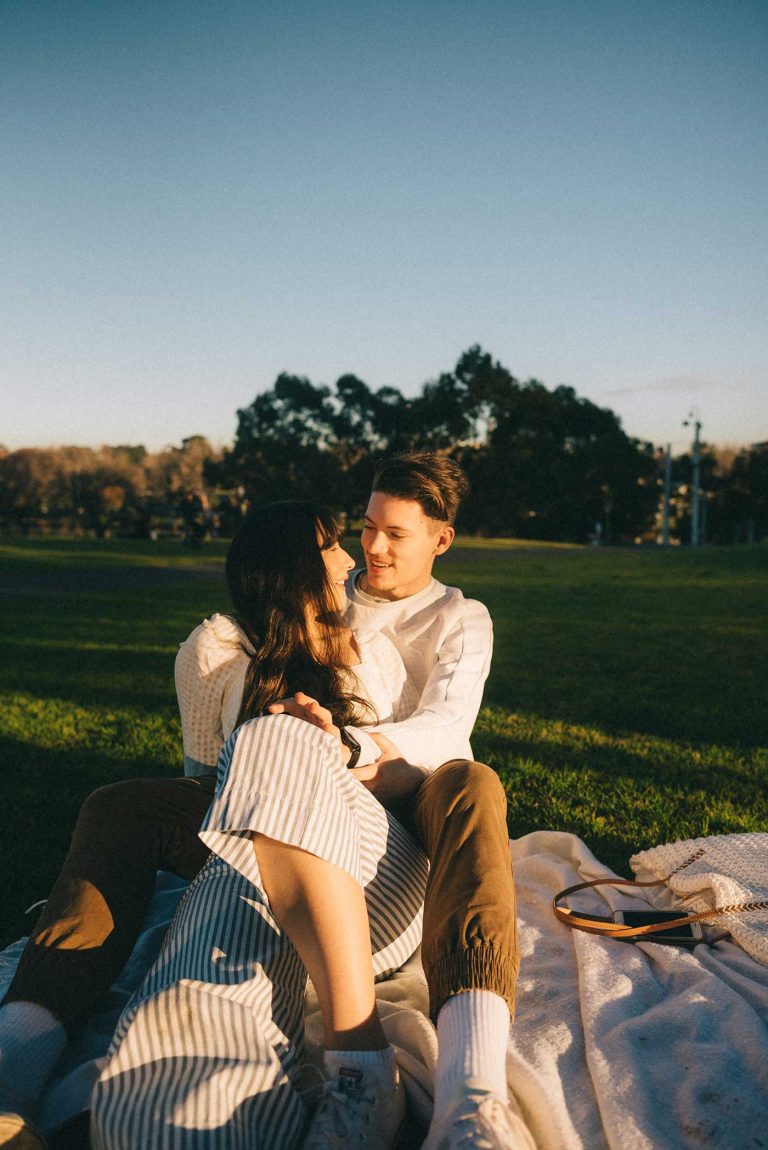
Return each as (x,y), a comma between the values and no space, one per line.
(122,489)
(543,464)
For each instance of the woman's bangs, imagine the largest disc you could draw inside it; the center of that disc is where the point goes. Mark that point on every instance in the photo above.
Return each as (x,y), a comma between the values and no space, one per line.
(329,530)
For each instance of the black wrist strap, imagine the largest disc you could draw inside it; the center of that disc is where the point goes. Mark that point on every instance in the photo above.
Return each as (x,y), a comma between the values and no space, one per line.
(354,747)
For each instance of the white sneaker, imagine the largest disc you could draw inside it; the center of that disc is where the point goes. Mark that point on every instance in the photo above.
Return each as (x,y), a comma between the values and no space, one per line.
(355,1111)
(479,1120)
(18,1134)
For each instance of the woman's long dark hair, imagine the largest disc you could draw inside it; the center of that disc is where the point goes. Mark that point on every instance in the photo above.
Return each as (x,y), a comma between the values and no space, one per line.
(277,581)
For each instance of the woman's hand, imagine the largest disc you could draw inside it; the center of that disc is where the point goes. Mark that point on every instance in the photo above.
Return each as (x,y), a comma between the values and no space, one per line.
(304,707)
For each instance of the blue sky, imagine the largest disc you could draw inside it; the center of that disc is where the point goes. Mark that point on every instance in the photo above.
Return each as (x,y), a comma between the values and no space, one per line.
(197,196)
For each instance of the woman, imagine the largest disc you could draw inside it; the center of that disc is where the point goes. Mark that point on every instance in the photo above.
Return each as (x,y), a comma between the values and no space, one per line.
(309,874)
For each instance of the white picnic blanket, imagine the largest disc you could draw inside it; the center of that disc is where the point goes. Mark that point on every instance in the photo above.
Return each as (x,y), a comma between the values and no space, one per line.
(630,1046)
(615,1046)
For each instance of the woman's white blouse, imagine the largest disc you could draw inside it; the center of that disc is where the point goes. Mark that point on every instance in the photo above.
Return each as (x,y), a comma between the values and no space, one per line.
(210,675)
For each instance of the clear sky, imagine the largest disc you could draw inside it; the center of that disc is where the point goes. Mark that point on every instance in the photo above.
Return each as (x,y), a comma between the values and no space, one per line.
(195,196)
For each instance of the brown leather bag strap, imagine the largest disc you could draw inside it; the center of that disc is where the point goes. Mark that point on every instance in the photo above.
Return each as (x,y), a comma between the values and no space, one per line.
(610,929)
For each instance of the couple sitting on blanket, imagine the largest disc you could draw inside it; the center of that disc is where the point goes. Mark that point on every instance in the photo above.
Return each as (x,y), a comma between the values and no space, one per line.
(327,843)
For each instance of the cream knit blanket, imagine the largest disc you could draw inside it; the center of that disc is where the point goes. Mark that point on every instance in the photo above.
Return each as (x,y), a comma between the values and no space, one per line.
(726,870)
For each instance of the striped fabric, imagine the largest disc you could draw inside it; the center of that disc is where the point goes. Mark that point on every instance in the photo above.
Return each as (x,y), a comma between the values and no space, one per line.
(208,1051)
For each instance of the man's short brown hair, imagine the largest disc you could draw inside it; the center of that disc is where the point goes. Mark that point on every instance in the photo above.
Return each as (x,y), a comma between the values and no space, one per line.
(434,481)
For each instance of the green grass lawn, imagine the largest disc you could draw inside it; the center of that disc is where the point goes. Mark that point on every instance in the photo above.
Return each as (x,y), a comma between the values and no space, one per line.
(627,702)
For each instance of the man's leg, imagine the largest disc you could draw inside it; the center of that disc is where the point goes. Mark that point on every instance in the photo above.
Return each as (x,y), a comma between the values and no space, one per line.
(470,930)
(469,949)
(86,931)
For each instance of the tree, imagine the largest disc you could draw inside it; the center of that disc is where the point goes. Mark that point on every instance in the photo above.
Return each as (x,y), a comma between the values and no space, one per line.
(178,469)
(302,441)
(112,488)
(364,425)
(27,481)
(549,464)
(739,509)
(282,443)
(543,463)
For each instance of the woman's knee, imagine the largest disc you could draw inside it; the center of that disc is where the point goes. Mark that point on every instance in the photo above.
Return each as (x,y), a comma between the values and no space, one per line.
(279,728)
(280,750)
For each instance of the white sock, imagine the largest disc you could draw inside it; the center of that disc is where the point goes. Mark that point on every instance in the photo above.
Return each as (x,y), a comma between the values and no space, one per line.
(382,1062)
(472,1038)
(31,1042)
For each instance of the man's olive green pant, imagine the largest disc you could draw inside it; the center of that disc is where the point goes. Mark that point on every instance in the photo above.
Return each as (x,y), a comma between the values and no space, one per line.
(127,831)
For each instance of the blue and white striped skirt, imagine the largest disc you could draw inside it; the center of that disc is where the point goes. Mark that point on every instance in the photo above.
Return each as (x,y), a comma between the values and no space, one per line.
(207,1053)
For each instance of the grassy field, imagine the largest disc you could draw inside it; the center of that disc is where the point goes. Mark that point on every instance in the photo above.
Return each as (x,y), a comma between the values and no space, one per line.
(628,701)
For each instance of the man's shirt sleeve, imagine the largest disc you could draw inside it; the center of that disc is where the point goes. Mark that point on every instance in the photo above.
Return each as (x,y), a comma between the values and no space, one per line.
(440,727)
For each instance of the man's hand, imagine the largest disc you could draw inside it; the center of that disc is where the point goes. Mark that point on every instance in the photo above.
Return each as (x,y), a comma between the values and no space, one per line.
(391,778)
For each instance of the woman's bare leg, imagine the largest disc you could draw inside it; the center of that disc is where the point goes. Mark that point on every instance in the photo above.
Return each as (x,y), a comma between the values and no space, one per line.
(322,910)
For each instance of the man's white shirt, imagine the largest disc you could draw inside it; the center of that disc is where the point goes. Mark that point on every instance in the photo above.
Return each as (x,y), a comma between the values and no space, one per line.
(445,641)
(424,662)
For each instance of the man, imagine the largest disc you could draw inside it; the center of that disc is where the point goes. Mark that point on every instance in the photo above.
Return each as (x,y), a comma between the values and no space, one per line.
(126,831)
(457,811)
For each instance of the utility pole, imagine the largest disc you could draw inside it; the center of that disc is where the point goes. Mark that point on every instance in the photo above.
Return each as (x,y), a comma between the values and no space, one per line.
(667,496)
(695,535)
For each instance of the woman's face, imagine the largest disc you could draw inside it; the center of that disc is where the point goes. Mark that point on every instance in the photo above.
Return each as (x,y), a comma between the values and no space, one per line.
(338,564)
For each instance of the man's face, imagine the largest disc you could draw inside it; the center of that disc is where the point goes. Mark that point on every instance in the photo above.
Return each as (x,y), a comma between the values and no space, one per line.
(400,544)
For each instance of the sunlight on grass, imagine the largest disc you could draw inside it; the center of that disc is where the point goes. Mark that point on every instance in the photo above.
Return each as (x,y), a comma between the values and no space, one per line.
(478,543)
(121,734)
(53,645)
(628,698)
(108,553)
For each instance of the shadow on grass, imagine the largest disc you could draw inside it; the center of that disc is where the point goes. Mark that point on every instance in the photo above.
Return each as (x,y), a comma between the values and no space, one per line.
(709,687)
(672,645)
(619,795)
(142,679)
(41,792)
(71,580)
(111,649)
(656,764)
